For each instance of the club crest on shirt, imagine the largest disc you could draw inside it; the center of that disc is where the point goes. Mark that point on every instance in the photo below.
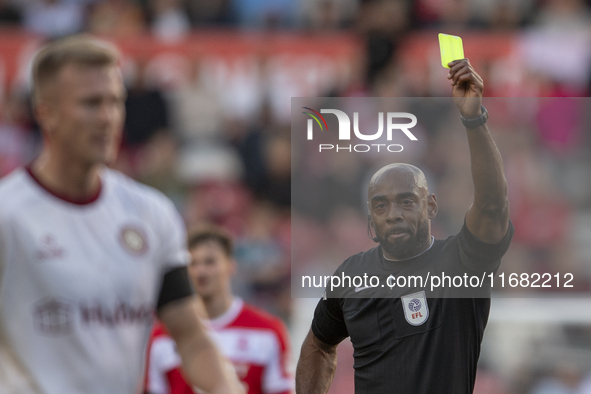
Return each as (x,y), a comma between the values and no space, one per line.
(416,310)
(133,240)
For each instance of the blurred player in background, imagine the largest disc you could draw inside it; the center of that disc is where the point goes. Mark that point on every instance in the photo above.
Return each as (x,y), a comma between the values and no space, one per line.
(417,345)
(87,254)
(256,342)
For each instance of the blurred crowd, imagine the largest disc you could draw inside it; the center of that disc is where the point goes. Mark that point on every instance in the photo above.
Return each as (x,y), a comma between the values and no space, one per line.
(391,18)
(233,167)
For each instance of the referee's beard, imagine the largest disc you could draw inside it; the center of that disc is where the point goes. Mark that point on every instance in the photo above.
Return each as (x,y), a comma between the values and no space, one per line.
(401,249)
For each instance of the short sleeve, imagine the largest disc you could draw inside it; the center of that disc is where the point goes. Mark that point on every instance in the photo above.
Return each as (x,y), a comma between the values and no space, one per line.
(328,324)
(5,242)
(162,359)
(174,252)
(278,377)
(174,256)
(478,255)
(2,249)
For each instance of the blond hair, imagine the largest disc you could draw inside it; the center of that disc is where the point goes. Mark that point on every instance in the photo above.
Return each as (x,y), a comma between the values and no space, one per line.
(82,50)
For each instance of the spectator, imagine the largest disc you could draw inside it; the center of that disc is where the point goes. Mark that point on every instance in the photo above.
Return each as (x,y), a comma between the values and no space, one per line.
(169,19)
(15,138)
(9,14)
(122,18)
(328,14)
(211,12)
(563,380)
(196,111)
(54,18)
(265,13)
(147,111)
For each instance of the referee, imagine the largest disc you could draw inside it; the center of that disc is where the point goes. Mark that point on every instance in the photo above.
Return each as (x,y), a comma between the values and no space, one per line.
(415,344)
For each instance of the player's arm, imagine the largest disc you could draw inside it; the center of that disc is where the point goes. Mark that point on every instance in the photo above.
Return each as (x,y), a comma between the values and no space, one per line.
(318,358)
(488,217)
(202,363)
(164,365)
(316,366)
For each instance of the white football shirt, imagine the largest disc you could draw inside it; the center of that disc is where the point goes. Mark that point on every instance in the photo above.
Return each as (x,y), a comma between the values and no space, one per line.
(79,284)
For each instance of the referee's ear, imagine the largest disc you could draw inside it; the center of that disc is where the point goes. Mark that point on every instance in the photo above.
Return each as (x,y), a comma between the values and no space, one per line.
(432,206)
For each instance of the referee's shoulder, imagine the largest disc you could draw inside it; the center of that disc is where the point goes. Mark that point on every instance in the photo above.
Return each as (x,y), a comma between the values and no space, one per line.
(359,260)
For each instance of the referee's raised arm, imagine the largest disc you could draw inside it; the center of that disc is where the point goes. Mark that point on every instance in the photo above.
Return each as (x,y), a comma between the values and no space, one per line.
(488,217)
(316,366)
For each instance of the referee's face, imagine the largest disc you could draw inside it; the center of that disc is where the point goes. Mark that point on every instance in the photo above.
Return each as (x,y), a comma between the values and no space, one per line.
(401,208)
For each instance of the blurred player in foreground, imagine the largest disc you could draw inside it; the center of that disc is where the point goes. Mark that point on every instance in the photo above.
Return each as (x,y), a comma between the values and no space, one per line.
(417,345)
(256,342)
(87,254)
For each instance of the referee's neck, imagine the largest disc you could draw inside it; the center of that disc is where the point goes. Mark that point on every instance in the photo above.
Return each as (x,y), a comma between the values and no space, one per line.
(416,255)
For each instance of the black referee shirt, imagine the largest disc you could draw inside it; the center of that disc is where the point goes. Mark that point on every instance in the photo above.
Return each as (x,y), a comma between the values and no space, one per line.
(437,353)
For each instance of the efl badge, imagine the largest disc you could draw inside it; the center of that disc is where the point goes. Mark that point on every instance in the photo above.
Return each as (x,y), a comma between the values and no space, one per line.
(134,240)
(416,310)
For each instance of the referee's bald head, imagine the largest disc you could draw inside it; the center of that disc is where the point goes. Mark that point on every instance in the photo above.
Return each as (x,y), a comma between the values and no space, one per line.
(397,173)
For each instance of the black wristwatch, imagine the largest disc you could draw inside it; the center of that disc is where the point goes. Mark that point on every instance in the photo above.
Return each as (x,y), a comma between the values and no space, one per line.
(479,121)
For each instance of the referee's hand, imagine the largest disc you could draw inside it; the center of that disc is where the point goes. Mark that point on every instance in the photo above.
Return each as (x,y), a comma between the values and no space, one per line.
(467,87)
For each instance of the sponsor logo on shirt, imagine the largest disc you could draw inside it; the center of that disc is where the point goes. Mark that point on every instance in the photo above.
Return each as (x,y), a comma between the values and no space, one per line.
(416,310)
(53,317)
(120,313)
(242,343)
(49,249)
(133,240)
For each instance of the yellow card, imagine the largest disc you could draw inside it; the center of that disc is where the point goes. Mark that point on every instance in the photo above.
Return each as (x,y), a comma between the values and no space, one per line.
(451,48)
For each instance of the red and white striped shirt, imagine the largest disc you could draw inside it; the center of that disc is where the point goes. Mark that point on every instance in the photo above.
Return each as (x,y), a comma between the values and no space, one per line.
(255,342)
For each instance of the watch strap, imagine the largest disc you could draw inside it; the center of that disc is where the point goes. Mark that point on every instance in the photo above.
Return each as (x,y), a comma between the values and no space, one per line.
(476,122)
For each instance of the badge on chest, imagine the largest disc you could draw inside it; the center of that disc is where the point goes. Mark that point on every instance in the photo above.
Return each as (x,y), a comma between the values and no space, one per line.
(416,310)
(133,240)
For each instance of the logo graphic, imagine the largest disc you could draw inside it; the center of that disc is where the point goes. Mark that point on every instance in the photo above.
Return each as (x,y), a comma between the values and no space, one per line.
(414,305)
(358,289)
(53,317)
(134,240)
(114,315)
(344,133)
(416,310)
(242,343)
(49,249)
(316,119)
